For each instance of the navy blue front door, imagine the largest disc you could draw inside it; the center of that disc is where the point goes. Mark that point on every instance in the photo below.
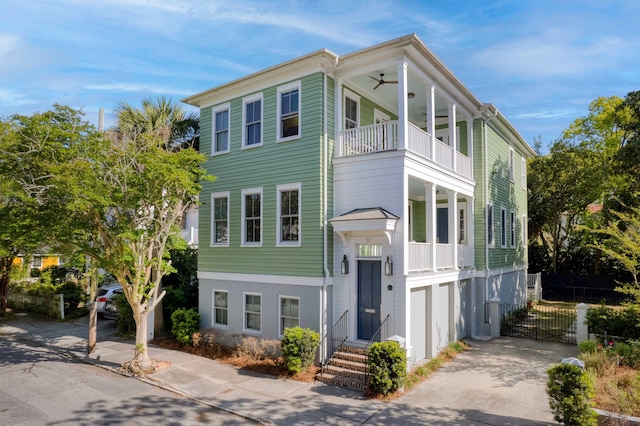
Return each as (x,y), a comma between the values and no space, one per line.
(369,298)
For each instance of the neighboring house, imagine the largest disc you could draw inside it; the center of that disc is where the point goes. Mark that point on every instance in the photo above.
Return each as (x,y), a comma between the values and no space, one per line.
(372,187)
(189,226)
(39,261)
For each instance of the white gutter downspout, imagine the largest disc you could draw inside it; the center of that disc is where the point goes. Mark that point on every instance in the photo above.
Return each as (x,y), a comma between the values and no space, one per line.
(325,207)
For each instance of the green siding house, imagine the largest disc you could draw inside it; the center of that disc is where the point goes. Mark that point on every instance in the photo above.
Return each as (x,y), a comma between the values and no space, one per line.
(365,196)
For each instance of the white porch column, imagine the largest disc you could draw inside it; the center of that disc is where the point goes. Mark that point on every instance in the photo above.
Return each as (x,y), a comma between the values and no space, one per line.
(470,142)
(453,142)
(337,122)
(430,218)
(403,105)
(431,118)
(452,207)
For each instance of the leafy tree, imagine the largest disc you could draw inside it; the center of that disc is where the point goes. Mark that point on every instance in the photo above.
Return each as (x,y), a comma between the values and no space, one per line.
(33,150)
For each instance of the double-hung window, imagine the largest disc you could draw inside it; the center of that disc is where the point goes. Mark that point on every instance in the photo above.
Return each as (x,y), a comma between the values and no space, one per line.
(220,308)
(524,173)
(252,121)
(351,110)
(289,313)
(512,175)
(503,228)
(289,214)
(289,111)
(512,222)
(220,218)
(220,129)
(36,262)
(252,312)
(490,236)
(252,216)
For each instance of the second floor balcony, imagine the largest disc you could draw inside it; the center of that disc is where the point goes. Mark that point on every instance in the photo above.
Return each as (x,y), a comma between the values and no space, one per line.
(384,137)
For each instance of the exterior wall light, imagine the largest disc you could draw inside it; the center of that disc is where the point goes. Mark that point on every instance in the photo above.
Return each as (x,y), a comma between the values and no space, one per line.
(388,267)
(344,265)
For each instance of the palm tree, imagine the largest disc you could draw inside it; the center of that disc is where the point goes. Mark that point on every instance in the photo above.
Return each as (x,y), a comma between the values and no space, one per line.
(161,118)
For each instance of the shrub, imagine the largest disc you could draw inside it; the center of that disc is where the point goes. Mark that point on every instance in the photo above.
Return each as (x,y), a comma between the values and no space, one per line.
(73,295)
(299,346)
(601,362)
(258,349)
(570,392)
(185,323)
(125,323)
(605,320)
(173,300)
(629,353)
(387,367)
(588,346)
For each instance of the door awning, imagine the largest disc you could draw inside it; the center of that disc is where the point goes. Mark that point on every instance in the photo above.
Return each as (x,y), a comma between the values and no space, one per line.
(374,221)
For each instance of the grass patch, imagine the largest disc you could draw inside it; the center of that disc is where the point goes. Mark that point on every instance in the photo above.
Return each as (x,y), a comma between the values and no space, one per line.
(420,373)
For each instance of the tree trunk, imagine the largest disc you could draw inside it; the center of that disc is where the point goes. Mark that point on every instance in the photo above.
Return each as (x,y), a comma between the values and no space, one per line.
(5,271)
(141,363)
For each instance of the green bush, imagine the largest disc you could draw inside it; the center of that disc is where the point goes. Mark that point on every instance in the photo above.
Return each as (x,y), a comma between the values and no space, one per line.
(570,392)
(605,320)
(387,367)
(73,295)
(185,323)
(299,346)
(628,353)
(588,346)
(125,324)
(173,300)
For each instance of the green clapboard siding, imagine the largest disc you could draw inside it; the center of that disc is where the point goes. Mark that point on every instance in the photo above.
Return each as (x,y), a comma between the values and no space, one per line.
(268,166)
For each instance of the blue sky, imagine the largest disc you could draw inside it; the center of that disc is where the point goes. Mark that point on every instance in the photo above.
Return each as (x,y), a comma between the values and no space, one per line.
(541,62)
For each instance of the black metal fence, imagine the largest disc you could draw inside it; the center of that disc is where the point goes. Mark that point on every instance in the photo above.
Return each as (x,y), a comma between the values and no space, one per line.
(581,288)
(549,322)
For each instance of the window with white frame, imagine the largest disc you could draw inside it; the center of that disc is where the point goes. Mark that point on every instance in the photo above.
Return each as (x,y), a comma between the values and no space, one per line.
(36,262)
(512,175)
(220,218)
(512,222)
(252,216)
(503,227)
(490,236)
(289,111)
(252,312)
(524,173)
(220,131)
(461,239)
(220,308)
(289,214)
(289,313)
(252,121)
(351,111)
(524,230)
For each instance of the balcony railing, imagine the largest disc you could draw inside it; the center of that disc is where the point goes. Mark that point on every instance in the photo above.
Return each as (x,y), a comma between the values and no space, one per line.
(384,137)
(419,256)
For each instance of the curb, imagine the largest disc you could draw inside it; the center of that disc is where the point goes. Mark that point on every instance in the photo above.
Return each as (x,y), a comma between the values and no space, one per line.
(153,382)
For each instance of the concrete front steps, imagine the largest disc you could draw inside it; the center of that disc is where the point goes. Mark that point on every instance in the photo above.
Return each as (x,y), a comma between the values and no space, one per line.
(348,368)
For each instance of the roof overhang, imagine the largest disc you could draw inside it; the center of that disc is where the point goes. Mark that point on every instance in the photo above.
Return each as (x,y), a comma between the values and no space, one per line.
(374,221)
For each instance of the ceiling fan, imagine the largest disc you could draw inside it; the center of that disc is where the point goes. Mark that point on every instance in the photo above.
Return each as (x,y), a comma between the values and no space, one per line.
(382,81)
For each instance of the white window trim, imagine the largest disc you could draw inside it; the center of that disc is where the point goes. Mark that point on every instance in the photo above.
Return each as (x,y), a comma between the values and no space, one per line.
(524,231)
(491,224)
(349,94)
(524,173)
(503,227)
(247,100)
(279,189)
(39,264)
(243,241)
(280,297)
(512,165)
(283,89)
(215,110)
(213,306)
(512,229)
(379,116)
(214,195)
(244,313)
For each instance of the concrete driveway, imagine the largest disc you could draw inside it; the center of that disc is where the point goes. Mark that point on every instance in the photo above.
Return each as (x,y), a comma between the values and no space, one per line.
(497,382)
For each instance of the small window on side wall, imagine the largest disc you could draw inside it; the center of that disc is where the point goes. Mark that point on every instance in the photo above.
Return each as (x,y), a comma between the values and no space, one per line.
(220,308)
(289,111)
(220,129)
(289,313)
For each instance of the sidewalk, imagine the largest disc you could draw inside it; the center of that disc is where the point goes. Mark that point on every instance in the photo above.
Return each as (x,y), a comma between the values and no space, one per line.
(497,382)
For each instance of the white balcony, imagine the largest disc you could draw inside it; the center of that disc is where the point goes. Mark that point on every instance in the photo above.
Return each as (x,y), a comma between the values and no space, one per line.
(420,256)
(384,137)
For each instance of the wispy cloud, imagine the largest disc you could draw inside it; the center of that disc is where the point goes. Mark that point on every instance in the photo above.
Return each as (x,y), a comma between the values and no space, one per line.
(137,87)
